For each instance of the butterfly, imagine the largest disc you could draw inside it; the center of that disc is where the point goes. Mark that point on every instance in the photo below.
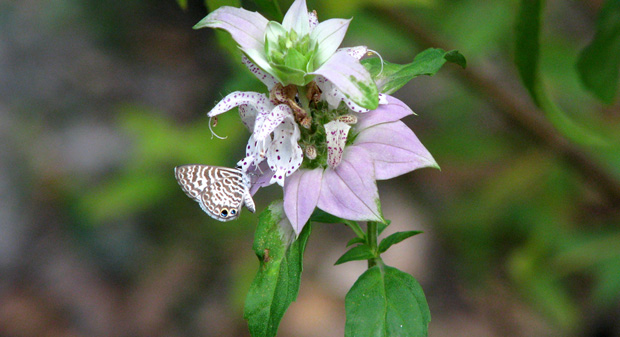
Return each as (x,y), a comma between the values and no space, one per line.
(220,191)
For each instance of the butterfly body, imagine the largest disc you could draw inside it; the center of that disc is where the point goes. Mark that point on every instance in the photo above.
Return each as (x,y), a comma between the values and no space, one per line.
(220,191)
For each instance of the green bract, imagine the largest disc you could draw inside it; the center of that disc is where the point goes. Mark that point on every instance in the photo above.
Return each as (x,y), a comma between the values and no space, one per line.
(298,50)
(290,55)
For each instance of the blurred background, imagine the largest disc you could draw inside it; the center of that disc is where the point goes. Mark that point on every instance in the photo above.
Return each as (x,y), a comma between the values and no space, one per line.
(100,99)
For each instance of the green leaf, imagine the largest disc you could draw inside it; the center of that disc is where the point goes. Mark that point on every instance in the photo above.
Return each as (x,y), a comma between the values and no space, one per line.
(527,54)
(271,9)
(321,216)
(381,226)
(599,62)
(395,238)
(455,57)
(391,77)
(277,282)
(356,253)
(355,240)
(295,60)
(385,301)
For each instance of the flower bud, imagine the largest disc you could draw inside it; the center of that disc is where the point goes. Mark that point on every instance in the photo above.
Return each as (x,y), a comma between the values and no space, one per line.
(349,119)
(306,122)
(310,152)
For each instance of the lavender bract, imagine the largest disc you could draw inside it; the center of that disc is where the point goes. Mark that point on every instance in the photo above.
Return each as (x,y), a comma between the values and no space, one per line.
(384,148)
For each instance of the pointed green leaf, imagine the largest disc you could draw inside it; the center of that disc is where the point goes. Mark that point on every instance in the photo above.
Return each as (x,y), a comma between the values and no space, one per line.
(395,238)
(277,282)
(381,226)
(391,77)
(599,63)
(356,253)
(355,240)
(385,301)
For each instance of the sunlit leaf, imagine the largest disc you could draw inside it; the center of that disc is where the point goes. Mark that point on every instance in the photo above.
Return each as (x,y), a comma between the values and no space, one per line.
(391,77)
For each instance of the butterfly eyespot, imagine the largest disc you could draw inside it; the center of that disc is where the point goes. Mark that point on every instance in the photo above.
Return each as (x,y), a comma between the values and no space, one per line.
(213,186)
(224,213)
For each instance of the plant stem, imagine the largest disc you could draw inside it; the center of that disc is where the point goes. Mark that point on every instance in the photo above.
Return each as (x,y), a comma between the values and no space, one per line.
(355,227)
(305,104)
(371,240)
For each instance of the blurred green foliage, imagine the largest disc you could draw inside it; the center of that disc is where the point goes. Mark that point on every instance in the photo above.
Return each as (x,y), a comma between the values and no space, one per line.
(506,207)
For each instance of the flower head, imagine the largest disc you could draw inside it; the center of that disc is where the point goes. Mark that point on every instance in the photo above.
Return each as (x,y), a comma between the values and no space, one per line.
(298,50)
(324,133)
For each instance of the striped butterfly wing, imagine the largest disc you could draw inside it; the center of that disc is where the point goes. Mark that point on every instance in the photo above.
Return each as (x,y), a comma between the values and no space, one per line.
(220,191)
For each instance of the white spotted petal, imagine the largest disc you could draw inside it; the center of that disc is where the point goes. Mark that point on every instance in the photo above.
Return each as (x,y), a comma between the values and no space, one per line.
(336,133)
(266,123)
(284,155)
(248,116)
(357,52)
(313,20)
(255,153)
(258,101)
(263,76)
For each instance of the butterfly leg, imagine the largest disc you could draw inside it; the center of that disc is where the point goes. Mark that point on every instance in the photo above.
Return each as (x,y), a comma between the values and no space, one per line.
(248,201)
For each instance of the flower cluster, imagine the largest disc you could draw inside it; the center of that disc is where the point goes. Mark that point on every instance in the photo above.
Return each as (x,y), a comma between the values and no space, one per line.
(324,132)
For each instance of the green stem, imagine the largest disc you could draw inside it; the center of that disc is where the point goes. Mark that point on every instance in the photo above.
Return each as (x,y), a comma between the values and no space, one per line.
(371,240)
(305,103)
(355,227)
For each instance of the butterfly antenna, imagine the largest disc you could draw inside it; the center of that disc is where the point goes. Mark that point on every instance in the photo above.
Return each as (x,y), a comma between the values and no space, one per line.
(213,132)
